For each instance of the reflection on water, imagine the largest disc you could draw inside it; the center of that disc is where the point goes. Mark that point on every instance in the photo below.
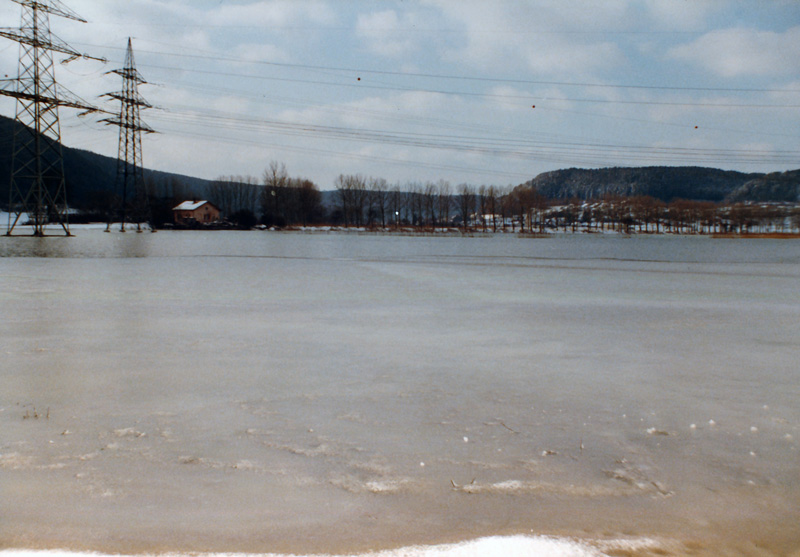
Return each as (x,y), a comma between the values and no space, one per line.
(291,392)
(84,243)
(492,249)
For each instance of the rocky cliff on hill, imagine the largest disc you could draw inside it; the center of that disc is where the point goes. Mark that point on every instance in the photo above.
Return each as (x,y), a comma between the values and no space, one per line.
(668,183)
(776,186)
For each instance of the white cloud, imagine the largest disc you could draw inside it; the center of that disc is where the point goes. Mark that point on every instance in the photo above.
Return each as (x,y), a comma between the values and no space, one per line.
(509,36)
(387,34)
(181,43)
(260,53)
(276,13)
(509,98)
(685,15)
(785,93)
(744,52)
(198,38)
(374,112)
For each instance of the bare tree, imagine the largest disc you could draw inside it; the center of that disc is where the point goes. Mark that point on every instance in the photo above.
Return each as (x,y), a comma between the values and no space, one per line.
(492,201)
(541,206)
(740,218)
(231,194)
(794,215)
(466,203)
(360,197)
(680,213)
(509,207)
(654,212)
(429,193)
(444,201)
(352,196)
(379,198)
(218,193)
(344,197)
(397,203)
(309,201)
(273,197)
(482,203)
(415,204)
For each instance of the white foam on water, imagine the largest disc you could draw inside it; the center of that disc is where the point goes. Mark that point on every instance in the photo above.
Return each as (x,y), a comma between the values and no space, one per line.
(495,546)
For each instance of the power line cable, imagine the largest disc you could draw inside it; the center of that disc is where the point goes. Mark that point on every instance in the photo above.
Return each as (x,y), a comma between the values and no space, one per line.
(367,71)
(489,146)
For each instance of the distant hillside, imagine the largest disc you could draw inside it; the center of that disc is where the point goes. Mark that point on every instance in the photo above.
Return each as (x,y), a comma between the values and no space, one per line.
(86,173)
(776,186)
(662,182)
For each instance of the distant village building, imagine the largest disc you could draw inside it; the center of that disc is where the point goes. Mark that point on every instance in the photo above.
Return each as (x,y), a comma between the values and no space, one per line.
(191,212)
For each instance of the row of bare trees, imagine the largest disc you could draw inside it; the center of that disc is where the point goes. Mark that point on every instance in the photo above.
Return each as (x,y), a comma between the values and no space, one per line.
(279,199)
(371,202)
(276,199)
(358,201)
(644,214)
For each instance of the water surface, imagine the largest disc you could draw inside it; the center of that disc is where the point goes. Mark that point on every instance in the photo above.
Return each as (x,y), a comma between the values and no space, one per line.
(268,392)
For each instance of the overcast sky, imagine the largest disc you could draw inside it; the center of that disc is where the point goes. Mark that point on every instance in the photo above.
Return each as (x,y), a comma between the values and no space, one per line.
(484,92)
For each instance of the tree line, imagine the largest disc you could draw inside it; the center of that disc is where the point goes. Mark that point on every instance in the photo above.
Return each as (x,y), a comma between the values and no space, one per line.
(371,203)
(278,200)
(645,214)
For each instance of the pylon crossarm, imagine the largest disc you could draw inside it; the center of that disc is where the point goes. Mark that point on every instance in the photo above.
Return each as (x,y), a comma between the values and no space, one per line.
(54,7)
(126,98)
(50,100)
(53,43)
(83,56)
(129,73)
(141,126)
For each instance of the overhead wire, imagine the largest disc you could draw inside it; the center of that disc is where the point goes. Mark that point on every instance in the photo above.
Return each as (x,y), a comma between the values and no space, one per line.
(494,146)
(404,74)
(305,149)
(519,147)
(723,105)
(443,123)
(577,151)
(364,85)
(406,119)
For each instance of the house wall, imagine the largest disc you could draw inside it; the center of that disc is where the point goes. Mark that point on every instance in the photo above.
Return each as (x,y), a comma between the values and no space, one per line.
(204,214)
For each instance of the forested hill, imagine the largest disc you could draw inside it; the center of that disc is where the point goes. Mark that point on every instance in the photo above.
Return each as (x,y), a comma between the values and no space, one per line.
(668,183)
(87,173)
(90,175)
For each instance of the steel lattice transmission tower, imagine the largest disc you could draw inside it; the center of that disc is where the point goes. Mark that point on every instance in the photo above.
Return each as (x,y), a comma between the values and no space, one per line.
(130,178)
(38,187)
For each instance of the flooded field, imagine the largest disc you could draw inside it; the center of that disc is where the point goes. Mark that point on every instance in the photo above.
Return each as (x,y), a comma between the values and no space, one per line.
(342,393)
